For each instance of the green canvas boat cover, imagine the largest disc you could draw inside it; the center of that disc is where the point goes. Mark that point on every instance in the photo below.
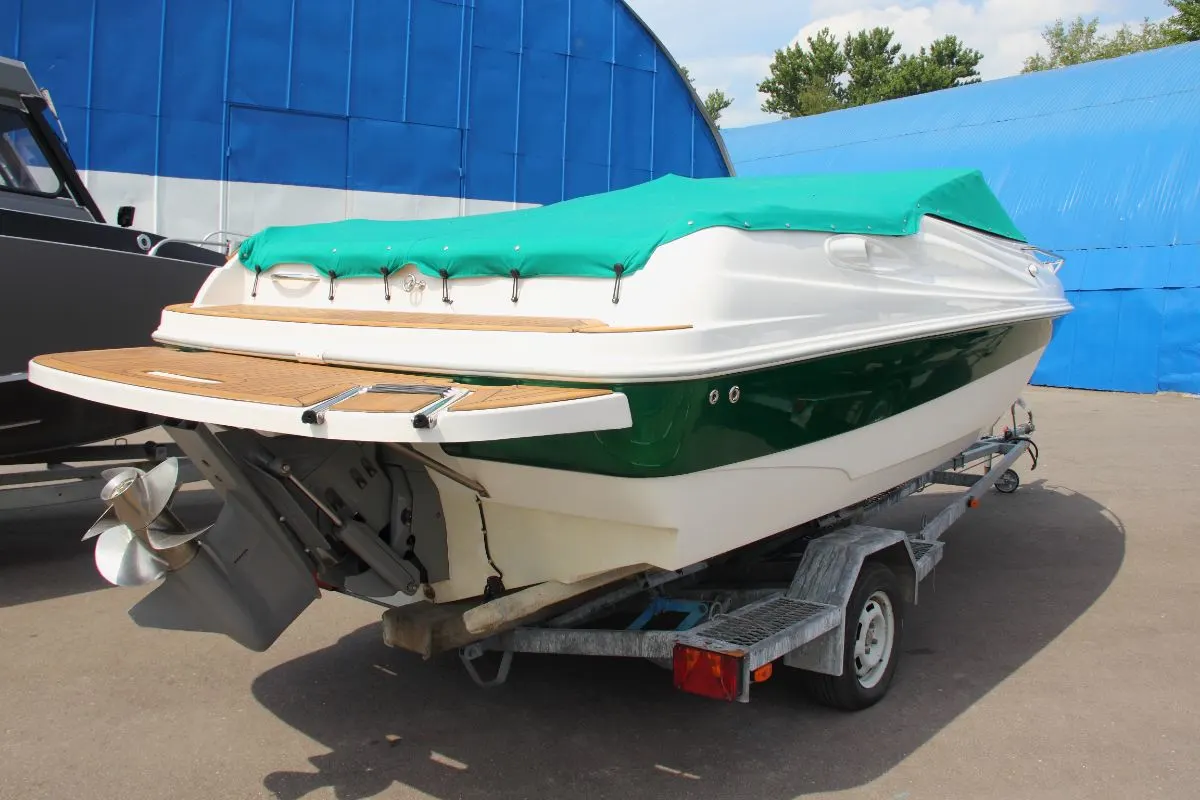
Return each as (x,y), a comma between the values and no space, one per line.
(593,235)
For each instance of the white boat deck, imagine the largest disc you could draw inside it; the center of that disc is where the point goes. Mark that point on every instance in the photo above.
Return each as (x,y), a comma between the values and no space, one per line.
(324,401)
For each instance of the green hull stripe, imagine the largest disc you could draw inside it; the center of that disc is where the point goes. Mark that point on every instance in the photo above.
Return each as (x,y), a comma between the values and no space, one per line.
(677,431)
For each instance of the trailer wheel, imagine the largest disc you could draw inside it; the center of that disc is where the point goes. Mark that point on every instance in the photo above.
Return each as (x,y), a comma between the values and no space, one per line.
(871,649)
(1009,482)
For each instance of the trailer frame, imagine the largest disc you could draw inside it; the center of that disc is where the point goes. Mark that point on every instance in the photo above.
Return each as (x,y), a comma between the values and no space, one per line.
(739,631)
(77,473)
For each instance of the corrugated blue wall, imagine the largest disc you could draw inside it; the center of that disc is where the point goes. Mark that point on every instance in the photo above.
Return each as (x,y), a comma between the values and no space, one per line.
(1099,162)
(529,101)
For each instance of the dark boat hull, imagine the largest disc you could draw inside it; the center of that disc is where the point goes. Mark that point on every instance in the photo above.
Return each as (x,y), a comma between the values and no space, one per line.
(62,297)
(35,421)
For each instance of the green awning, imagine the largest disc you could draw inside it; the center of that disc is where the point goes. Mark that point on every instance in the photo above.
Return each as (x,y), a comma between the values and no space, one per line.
(589,236)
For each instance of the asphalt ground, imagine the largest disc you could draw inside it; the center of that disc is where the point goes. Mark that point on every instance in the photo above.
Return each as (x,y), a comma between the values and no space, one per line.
(1053,655)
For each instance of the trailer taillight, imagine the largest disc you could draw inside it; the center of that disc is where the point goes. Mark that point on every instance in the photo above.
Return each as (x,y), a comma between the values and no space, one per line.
(706,673)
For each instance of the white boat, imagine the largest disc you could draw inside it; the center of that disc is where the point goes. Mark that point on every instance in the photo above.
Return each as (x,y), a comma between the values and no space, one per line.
(444,412)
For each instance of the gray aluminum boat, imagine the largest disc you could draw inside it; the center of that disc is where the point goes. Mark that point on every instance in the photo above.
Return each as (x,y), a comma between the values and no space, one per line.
(72,281)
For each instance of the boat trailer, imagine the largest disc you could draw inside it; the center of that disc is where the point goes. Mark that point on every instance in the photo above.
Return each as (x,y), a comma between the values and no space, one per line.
(826,598)
(75,474)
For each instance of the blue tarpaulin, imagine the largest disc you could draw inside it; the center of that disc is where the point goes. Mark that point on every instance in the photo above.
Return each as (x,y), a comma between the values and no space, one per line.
(526,101)
(1099,162)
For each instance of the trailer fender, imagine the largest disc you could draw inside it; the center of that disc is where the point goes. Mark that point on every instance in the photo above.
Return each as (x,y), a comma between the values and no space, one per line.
(828,574)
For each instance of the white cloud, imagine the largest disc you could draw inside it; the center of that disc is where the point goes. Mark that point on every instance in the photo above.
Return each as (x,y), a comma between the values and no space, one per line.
(729,45)
(725,45)
(738,77)
(1005,31)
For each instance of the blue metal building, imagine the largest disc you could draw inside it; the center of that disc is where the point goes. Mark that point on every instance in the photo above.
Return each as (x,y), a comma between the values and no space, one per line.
(235,114)
(1099,162)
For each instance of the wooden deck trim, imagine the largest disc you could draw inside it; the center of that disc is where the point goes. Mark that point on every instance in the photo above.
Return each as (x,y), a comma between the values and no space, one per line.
(411,319)
(292,384)
(644,329)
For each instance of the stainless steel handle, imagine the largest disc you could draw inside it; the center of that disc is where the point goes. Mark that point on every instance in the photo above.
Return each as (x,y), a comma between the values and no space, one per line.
(424,417)
(307,277)
(1054,264)
(198,242)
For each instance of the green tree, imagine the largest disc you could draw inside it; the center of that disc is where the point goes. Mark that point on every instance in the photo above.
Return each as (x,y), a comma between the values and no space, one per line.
(946,64)
(1068,44)
(865,67)
(871,58)
(1184,25)
(1080,41)
(715,102)
(806,80)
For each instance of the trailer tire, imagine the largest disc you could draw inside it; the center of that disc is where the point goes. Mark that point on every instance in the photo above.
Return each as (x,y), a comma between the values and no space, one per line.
(876,603)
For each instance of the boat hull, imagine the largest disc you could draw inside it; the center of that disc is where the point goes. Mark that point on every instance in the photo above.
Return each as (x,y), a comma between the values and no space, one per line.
(566,524)
(529,525)
(695,469)
(685,427)
(66,296)
(35,421)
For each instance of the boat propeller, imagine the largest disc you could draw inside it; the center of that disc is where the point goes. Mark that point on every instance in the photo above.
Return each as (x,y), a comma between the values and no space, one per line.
(138,538)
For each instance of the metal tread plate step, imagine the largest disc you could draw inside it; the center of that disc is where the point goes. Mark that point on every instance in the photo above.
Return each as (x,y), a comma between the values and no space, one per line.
(926,556)
(765,630)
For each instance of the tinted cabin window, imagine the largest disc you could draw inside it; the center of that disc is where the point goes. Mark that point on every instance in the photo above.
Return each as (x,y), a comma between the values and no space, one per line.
(23,165)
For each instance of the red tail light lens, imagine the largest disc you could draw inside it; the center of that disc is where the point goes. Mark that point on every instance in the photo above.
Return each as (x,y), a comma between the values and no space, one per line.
(705,673)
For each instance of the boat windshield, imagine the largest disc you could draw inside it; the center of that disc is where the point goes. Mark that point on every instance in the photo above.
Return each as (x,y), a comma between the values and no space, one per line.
(24,166)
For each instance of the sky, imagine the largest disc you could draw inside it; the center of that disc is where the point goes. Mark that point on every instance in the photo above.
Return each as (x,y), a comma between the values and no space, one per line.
(729,44)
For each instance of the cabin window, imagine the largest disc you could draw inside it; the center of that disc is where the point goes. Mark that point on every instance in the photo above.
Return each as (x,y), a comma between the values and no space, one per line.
(24,166)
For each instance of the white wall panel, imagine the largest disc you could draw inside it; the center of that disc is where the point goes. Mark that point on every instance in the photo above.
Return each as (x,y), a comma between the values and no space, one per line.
(191,209)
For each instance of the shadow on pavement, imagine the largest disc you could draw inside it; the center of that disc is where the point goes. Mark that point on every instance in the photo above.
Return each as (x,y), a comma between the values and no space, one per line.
(42,557)
(1017,573)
